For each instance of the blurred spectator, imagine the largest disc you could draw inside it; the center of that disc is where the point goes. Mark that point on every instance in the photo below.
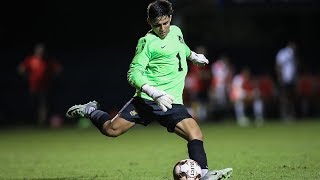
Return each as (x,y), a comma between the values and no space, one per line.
(196,86)
(221,72)
(268,93)
(305,90)
(286,71)
(40,71)
(244,93)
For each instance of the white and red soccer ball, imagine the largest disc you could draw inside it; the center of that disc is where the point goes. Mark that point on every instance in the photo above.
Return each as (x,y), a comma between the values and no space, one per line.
(187,169)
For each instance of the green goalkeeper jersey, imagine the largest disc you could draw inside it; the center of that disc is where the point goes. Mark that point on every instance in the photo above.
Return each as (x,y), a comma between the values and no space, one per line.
(161,63)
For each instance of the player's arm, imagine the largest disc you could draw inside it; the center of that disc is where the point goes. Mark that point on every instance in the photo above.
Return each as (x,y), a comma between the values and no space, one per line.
(163,99)
(137,67)
(198,59)
(138,80)
(195,58)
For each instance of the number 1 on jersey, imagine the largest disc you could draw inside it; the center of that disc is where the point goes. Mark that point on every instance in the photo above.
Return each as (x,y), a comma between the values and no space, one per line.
(179,58)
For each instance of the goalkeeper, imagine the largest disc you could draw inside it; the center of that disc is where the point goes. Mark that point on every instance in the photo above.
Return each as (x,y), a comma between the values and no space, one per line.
(157,72)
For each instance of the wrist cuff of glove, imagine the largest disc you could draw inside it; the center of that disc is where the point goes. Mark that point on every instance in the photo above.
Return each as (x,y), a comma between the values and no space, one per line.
(148,89)
(192,56)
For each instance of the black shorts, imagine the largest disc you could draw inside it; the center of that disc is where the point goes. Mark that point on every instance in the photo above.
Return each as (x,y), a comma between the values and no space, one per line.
(142,111)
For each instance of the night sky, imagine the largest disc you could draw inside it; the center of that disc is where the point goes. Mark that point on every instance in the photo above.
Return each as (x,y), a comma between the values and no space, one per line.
(71,24)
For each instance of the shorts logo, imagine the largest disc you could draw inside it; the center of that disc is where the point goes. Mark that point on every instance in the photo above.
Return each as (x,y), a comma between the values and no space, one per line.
(133,113)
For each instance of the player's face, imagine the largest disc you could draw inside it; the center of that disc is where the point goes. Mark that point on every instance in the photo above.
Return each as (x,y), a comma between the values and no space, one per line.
(161,26)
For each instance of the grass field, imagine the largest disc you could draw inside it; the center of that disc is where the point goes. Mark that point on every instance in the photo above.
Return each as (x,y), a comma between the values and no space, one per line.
(274,151)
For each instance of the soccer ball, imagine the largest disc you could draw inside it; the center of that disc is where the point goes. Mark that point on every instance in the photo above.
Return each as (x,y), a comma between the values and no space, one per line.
(187,169)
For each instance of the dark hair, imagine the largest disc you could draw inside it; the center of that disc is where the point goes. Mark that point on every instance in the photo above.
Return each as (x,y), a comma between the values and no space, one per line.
(159,8)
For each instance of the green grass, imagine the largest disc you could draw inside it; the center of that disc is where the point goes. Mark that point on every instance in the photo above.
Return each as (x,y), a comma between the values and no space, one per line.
(274,151)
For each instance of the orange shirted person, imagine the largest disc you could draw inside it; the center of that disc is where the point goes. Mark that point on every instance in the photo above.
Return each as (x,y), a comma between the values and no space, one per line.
(40,72)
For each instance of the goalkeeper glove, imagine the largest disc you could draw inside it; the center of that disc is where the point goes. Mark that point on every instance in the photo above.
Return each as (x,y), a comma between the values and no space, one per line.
(163,99)
(198,59)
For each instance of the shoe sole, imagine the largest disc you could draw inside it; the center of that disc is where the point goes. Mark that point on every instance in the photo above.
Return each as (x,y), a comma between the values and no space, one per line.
(71,110)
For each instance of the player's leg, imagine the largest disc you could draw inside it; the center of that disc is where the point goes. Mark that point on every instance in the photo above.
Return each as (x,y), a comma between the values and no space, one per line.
(116,126)
(189,129)
(108,126)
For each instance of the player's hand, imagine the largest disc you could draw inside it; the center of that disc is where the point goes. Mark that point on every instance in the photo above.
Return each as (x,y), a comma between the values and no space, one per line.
(163,99)
(198,59)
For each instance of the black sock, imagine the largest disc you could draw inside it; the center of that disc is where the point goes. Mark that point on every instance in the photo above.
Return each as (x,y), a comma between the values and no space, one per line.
(98,118)
(197,153)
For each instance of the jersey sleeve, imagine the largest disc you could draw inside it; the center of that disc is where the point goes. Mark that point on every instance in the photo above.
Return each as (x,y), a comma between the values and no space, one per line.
(135,75)
(188,51)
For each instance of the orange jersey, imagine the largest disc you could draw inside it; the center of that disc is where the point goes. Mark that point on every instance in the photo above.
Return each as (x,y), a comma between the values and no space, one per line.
(39,72)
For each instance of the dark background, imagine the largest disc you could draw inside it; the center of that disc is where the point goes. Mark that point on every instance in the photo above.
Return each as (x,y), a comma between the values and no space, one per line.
(95,42)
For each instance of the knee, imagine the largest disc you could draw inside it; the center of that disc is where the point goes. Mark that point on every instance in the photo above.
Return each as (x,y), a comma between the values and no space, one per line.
(110,132)
(197,135)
